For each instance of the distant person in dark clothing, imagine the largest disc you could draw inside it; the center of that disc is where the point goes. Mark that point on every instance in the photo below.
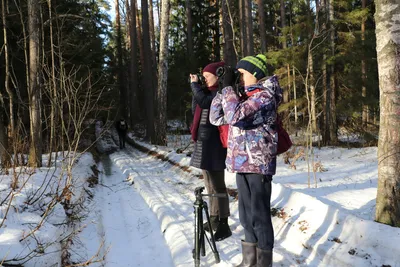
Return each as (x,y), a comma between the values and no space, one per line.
(121,127)
(210,150)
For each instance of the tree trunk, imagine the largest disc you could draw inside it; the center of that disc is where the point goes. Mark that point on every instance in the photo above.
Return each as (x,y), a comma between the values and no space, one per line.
(153,43)
(189,31)
(325,87)
(159,14)
(53,90)
(283,23)
(388,51)
(326,138)
(261,23)
(4,155)
(243,28)
(249,29)
(294,84)
(147,74)
(295,97)
(134,109)
(152,30)
(34,90)
(286,91)
(216,42)
(122,91)
(230,54)
(139,37)
(332,96)
(161,135)
(365,110)
(127,26)
(311,72)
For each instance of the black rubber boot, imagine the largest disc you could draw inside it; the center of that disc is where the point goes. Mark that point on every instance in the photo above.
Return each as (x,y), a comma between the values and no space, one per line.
(214,223)
(223,230)
(249,254)
(264,258)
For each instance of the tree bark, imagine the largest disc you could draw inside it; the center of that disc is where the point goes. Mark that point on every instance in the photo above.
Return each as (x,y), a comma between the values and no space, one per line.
(311,72)
(53,89)
(261,23)
(283,23)
(127,25)
(122,90)
(230,54)
(189,33)
(249,29)
(134,109)
(161,133)
(34,90)
(243,28)
(388,52)
(147,74)
(286,91)
(332,95)
(3,127)
(365,110)
(216,42)
(139,37)
(153,43)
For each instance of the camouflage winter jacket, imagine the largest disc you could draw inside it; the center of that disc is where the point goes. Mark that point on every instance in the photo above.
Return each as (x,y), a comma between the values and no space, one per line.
(252,138)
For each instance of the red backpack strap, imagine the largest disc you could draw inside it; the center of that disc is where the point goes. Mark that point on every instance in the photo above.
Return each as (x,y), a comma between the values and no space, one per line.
(223,134)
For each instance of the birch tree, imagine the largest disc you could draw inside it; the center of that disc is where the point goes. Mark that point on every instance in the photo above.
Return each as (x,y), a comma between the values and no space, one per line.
(388,51)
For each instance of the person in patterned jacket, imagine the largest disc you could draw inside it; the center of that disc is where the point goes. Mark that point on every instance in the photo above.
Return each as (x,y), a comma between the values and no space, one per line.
(252,150)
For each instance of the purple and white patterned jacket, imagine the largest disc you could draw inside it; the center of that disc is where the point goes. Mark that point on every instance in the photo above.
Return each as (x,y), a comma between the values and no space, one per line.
(252,138)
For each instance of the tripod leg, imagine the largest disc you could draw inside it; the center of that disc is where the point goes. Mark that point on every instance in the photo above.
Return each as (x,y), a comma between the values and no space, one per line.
(213,245)
(197,222)
(202,233)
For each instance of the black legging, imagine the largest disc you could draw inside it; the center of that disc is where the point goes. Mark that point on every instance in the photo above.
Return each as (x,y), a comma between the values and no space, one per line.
(121,136)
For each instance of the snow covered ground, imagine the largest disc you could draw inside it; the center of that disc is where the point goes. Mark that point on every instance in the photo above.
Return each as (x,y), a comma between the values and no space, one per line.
(141,213)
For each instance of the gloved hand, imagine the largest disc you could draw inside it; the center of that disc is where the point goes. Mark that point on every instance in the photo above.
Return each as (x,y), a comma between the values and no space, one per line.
(228,77)
(193,78)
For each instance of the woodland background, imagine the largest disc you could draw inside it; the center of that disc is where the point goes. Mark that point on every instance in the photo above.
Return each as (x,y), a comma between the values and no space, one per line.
(65,64)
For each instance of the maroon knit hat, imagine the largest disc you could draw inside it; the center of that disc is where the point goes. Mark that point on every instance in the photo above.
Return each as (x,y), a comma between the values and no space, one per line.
(212,67)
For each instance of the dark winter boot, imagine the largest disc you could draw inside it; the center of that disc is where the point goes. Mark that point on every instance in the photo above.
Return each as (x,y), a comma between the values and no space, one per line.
(223,230)
(249,255)
(264,258)
(214,220)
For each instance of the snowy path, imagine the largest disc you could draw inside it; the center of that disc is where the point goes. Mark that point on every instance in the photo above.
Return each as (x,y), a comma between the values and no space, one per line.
(131,230)
(135,226)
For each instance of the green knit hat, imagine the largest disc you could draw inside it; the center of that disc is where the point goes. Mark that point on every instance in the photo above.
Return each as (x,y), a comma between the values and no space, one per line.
(256,65)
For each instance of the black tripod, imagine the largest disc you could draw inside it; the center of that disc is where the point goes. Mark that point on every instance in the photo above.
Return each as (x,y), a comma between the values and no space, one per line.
(199,232)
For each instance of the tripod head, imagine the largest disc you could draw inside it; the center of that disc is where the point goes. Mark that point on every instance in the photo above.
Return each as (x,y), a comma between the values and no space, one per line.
(198,192)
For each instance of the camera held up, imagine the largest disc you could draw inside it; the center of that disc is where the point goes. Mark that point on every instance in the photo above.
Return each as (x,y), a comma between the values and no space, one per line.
(200,78)
(234,78)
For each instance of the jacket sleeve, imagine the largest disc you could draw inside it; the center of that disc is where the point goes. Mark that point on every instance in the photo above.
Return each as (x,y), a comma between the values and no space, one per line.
(258,109)
(201,98)
(193,105)
(216,112)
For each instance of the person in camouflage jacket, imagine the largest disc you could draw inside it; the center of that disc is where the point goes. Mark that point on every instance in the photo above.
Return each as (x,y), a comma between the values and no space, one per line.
(252,150)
